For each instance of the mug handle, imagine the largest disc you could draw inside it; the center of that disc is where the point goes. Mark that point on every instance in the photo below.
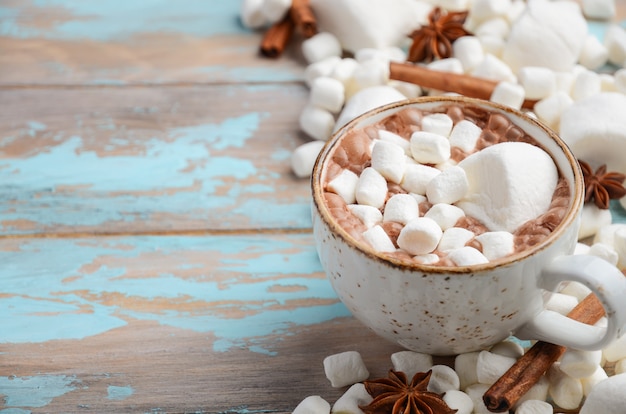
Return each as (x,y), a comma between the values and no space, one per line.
(609,285)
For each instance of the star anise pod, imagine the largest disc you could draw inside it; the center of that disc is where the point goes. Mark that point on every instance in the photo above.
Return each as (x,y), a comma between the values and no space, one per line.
(395,395)
(435,39)
(602,186)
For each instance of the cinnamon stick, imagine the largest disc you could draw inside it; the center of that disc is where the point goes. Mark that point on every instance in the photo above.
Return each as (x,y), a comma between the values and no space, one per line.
(470,86)
(303,17)
(277,37)
(533,364)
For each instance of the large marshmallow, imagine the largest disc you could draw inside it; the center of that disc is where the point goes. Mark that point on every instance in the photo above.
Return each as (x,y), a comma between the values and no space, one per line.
(503,191)
(420,236)
(313,404)
(549,34)
(345,368)
(595,130)
(365,100)
(401,208)
(417,177)
(371,188)
(303,158)
(448,187)
(389,160)
(608,397)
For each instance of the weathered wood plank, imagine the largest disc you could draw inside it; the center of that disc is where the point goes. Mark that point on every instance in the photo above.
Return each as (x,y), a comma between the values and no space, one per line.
(76,42)
(151,159)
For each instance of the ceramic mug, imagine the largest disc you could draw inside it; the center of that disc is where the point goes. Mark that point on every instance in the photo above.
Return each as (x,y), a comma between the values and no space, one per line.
(451,310)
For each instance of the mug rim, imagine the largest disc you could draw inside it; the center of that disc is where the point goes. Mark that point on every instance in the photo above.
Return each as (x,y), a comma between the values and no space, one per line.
(572,212)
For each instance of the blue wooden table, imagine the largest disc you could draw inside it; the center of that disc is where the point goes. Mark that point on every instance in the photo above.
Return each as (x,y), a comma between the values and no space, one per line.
(156,252)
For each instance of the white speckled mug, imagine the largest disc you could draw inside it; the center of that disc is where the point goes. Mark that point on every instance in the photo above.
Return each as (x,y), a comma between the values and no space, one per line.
(446,310)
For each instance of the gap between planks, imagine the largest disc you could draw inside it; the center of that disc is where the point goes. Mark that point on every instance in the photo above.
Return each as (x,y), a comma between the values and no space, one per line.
(146,85)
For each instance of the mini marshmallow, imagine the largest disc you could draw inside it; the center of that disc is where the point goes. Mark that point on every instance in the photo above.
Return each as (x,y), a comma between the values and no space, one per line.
(401,208)
(586,84)
(594,379)
(482,10)
(495,26)
(317,122)
(426,259)
(371,73)
(494,69)
(448,187)
(313,404)
(350,401)
(515,10)
(454,5)
(576,289)
(454,238)
(476,392)
(367,99)
(459,401)
(607,83)
(508,349)
(467,256)
(327,93)
(550,109)
(411,362)
(450,65)
(418,197)
(371,189)
(509,94)
(561,303)
(440,124)
(620,80)
(465,366)
(464,135)
(594,54)
(534,407)
(407,89)
(566,392)
(319,69)
(303,158)
(344,185)
(620,247)
(490,367)
(605,252)
(417,177)
(580,364)
(379,240)
(538,82)
(539,391)
(469,51)
(275,10)
(608,397)
(496,244)
(429,148)
(446,215)
(321,46)
(370,216)
(616,350)
(581,248)
(606,234)
(592,219)
(345,368)
(343,71)
(420,236)
(492,45)
(620,366)
(389,160)
(615,42)
(443,379)
(388,136)
(599,9)
(252,15)
(564,81)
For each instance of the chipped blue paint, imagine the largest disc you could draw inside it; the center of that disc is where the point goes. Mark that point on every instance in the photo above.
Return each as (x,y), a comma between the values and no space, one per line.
(37,391)
(119,393)
(34,127)
(246,289)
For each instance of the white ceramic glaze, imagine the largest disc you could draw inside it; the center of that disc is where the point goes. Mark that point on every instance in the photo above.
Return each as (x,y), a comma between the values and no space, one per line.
(451,310)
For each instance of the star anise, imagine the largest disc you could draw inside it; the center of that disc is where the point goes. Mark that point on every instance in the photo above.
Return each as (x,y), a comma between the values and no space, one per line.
(395,395)
(602,186)
(435,39)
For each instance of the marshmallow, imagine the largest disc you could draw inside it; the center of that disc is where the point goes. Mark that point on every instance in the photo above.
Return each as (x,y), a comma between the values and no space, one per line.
(445,215)
(370,216)
(343,71)
(607,234)
(599,9)
(515,10)
(370,73)
(317,122)
(561,303)
(303,158)
(411,362)
(323,68)
(492,45)
(407,89)
(379,240)
(608,397)
(389,160)
(429,148)
(417,177)
(538,82)
(594,379)
(344,185)
(467,256)
(443,379)
(465,367)
(365,100)
(476,392)
(275,10)
(371,188)
(490,367)
(469,51)
(576,289)
(586,84)
(321,46)
(616,350)
(426,259)
(592,219)
(454,238)
(615,42)
(607,83)
(345,368)
(495,26)
(401,208)
(252,15)
(581,248)
(502,184)
(482,10)
(327,93)
(454,5)
(313,404)
(605,252)
(620,366)
(594,53)
(566,392)
(539,391)
(508,349)
(547,34)
(550,109)
(619,244)
(509,94)
(350,401)
(420,236)
(396,139)
(459,401)
(620,80)
(580,364)
(534,407)
(450,65)
(464,135)
(449,186)
(494,69)
(496,244)
(418,197)
(440,124)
